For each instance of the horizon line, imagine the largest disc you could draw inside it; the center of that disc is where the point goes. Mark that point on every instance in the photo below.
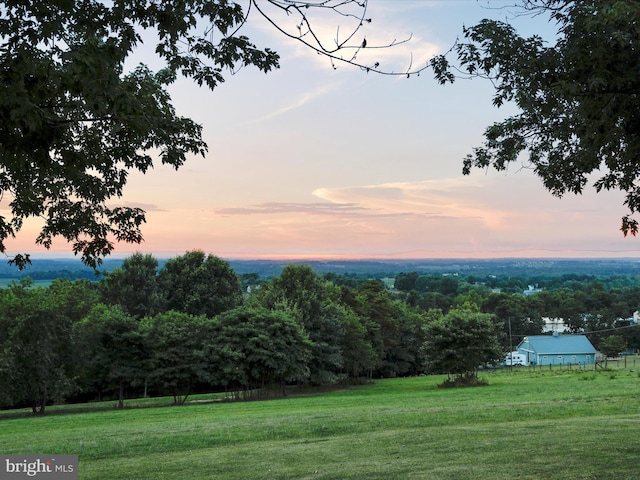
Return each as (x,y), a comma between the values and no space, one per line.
(416,255)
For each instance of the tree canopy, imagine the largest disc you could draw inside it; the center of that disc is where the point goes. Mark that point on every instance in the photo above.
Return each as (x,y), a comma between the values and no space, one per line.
(73,122)
(199,284)
(109,347)
(579,109)
(460,341)
(134,286)
(36,355)
(176,358)
(254,347)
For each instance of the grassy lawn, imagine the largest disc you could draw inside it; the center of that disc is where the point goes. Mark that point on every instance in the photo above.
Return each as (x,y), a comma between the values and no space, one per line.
(524,425)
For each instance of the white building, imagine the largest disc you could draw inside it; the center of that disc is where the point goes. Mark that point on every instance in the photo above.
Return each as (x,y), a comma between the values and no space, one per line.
(554,325)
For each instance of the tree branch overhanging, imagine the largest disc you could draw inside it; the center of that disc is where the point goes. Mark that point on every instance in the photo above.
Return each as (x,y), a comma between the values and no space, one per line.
(354,41)
(68,107)
(576,92)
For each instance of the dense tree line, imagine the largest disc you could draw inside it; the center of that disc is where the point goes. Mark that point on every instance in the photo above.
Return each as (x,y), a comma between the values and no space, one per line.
(596,306)
(193,325)
(188,326)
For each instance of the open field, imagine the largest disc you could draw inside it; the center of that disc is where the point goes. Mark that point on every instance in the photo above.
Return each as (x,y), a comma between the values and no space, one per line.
(525,425)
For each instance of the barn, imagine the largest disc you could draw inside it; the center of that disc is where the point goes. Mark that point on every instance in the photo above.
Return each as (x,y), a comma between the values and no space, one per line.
(557,349)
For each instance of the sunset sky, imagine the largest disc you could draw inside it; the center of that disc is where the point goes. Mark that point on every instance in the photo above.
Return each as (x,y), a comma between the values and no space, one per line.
(308,161)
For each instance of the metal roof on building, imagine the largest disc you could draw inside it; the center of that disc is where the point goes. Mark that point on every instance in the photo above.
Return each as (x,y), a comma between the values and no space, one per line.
(559,344)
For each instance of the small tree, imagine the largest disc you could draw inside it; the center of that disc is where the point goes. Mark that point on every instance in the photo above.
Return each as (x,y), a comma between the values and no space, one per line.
(306,297)
(254,347)
(359,358)
(459,342)
(36,357)
(612,345)
(174,344)
(109,345)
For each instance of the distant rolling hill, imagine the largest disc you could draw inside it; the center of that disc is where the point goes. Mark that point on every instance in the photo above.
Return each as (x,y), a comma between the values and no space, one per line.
(50,269)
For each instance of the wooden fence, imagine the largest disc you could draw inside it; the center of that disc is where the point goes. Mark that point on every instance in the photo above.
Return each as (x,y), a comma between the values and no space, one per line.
(630,362)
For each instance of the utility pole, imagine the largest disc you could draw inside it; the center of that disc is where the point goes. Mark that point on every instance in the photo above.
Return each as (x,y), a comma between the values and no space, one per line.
(510,339)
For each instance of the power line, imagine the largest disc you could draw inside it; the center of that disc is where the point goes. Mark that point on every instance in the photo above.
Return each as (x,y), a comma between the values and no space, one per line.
(611,329)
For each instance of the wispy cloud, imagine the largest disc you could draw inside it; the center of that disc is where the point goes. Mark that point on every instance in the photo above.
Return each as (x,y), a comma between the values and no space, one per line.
(456,199)
(299,102)
(453,198)
(275,208)
(481,215)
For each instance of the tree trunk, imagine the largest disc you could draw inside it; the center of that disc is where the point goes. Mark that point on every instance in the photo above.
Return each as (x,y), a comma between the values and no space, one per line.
(121,395)
(43,400)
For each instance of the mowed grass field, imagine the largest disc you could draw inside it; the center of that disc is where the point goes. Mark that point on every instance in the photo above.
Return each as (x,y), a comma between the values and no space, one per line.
(524,425)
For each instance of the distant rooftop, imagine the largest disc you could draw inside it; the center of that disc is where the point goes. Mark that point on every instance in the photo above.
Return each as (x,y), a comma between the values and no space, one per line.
(559,344)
